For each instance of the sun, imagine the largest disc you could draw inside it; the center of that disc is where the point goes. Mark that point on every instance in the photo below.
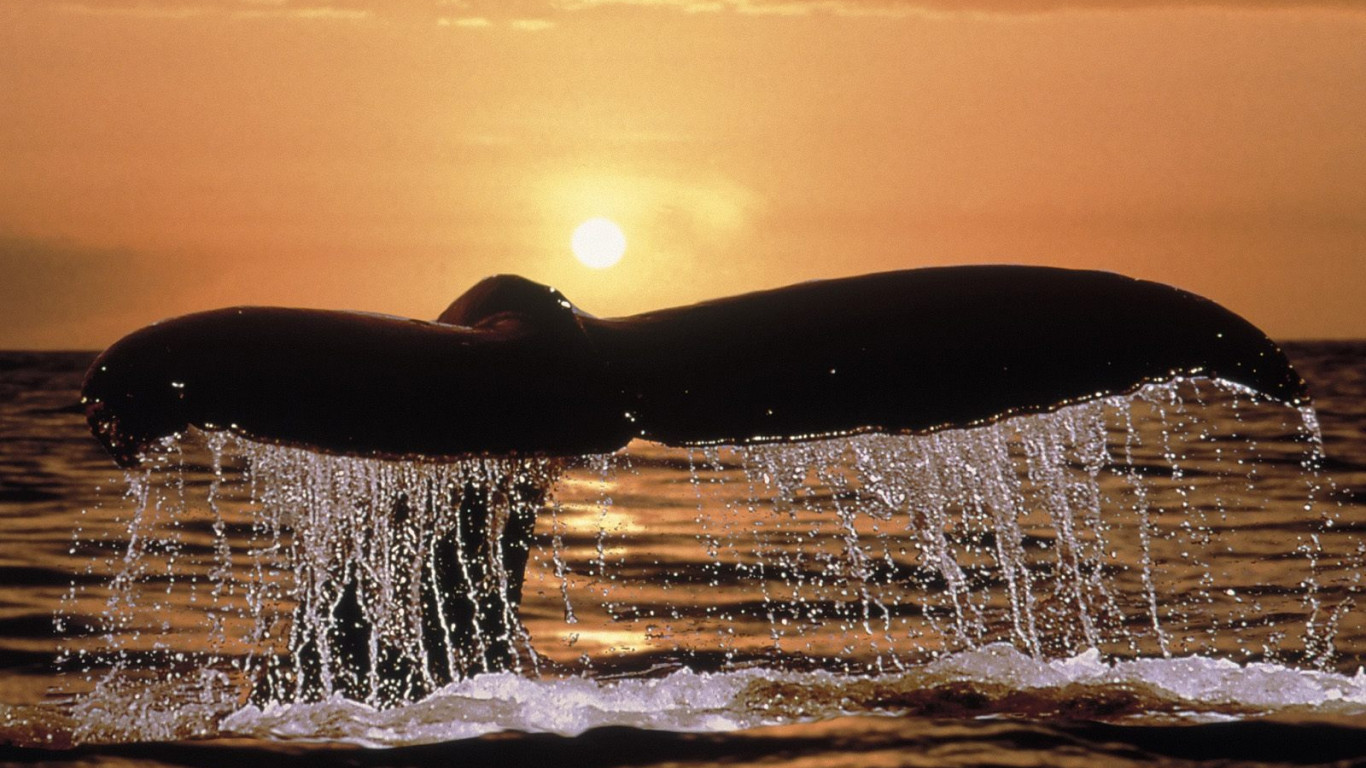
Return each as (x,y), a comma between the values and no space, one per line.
(598,243)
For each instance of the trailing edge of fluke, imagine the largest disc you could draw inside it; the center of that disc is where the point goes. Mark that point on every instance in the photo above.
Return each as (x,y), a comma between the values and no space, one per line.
(512,367)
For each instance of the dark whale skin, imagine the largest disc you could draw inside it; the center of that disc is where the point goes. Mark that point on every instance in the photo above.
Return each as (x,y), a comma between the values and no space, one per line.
(921,350)
(357,384)
(513,368)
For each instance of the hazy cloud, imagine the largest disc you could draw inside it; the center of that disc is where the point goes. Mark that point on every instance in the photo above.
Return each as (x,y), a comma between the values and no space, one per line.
(468,22)
(316,12)
(535,15)
(237,9)
(484,22)
(895,8)
(143,11)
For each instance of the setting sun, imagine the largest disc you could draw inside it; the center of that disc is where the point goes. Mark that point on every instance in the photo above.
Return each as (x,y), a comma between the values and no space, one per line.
(598,243)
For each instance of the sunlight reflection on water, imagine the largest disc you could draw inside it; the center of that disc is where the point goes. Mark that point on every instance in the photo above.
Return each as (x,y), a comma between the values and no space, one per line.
(703,564)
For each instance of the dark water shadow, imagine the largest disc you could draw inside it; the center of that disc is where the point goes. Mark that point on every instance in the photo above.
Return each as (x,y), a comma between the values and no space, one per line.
(850,741)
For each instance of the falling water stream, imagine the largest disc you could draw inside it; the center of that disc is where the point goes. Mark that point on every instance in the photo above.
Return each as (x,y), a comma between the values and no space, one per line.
(1115,554)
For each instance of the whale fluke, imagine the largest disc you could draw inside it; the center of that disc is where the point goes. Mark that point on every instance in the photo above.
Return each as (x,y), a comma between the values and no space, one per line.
(922,350)
(512,367)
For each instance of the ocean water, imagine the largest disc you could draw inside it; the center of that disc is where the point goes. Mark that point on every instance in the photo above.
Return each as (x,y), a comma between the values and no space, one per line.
(1169,578)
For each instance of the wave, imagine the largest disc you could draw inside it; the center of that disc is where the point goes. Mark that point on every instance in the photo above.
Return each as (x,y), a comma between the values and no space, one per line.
(995,681)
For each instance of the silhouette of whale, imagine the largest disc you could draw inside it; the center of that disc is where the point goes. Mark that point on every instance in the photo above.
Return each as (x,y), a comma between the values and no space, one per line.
(512,367)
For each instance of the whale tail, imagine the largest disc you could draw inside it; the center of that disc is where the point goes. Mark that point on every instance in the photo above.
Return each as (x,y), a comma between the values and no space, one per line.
(923,350)
(513,368)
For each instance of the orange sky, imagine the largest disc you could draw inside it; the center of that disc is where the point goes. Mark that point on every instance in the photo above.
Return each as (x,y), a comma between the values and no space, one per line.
(165,156)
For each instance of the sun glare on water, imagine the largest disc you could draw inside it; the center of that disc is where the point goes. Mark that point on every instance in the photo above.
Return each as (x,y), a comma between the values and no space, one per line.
(598,243)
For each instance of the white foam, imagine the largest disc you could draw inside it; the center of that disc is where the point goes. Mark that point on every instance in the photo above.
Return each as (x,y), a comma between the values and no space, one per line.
(1200,687)
(1198,681)
(682,701)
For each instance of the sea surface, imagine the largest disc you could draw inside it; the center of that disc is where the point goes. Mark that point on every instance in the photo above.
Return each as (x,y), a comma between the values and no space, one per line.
(1168,578)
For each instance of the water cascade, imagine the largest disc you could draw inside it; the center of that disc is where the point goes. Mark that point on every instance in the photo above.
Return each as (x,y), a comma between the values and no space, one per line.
(1103,527)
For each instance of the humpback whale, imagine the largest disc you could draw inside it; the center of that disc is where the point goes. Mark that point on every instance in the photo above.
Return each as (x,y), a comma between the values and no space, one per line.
(513,369)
